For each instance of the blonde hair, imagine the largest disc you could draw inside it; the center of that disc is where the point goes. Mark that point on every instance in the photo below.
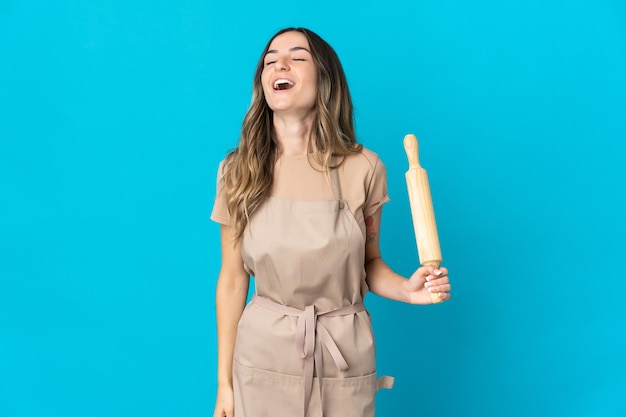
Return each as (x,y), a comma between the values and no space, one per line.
(249,169)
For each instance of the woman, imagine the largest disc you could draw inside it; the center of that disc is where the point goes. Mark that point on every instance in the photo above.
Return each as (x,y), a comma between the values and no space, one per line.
(299,207)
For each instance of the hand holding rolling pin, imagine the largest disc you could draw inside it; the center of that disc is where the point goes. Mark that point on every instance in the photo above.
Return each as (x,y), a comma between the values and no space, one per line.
(430,282)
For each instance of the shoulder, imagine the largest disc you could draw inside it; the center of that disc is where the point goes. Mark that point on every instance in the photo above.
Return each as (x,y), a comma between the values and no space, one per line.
(365,160)
(221,174)
(365,163)
(364,182)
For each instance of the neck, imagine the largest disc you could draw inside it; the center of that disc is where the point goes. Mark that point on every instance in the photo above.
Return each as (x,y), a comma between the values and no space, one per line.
(293,133)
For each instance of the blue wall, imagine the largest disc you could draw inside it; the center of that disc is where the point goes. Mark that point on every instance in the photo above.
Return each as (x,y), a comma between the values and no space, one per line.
(115,114)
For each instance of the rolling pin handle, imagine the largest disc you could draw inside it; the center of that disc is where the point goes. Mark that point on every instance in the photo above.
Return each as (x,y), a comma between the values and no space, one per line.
(412,154)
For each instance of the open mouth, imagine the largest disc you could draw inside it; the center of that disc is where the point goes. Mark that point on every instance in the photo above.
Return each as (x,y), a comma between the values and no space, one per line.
(283,84)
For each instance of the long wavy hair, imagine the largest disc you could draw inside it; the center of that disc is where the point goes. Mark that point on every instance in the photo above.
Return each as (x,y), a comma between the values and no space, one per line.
(249,169)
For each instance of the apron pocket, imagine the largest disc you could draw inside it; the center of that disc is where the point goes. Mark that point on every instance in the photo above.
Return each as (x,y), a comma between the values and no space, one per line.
(348,397)
(261,393)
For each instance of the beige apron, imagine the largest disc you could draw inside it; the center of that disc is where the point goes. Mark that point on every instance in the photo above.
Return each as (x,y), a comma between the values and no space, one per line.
(304,343)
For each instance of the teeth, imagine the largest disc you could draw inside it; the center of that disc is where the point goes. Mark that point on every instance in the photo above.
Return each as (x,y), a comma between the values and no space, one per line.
(280,81)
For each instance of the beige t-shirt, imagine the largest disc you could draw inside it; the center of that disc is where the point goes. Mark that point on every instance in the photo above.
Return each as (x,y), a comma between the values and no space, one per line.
(362,177)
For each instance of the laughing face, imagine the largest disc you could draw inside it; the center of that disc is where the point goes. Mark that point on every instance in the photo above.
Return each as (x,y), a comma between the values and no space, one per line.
(289,76)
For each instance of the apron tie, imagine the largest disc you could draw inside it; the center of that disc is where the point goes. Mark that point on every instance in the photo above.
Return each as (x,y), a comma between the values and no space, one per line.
(310,335)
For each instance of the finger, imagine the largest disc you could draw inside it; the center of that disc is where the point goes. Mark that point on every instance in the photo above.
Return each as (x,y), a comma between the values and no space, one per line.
(424,271)
(444,296)
(431,270)
(438,272)
(434,281)
(438,288)
(444,271)
(435,273)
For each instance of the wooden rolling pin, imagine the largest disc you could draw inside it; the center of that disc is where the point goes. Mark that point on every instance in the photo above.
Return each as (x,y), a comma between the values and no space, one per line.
(426,236)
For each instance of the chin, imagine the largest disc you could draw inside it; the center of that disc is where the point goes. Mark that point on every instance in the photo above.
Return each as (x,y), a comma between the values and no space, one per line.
(281,106)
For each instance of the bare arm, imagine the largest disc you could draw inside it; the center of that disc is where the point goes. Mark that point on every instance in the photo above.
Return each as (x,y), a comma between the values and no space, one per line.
(230,299)
(382,280)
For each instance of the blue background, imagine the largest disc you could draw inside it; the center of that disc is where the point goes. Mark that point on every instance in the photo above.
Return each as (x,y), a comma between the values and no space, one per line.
(115,114)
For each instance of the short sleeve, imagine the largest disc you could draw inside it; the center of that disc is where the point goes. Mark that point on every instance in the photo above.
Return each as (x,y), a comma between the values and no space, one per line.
(220,211)
(376,194)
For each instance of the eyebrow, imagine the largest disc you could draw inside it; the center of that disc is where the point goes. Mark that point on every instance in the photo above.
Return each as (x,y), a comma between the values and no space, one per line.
(295,48)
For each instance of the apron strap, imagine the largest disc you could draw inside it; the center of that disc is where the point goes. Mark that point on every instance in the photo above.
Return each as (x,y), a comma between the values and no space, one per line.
(385,382)
(334,177)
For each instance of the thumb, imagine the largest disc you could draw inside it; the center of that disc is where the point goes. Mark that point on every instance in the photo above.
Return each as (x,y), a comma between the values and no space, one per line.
(417,280)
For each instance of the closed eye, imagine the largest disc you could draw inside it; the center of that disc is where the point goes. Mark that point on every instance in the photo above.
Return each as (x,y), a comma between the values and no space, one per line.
(269,63)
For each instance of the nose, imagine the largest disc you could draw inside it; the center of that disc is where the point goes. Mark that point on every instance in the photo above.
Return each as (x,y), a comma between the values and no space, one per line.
(281,64)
